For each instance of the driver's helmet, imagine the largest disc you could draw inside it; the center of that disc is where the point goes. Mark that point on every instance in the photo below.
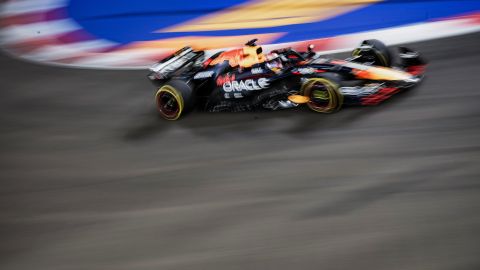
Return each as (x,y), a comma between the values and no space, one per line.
(274,62)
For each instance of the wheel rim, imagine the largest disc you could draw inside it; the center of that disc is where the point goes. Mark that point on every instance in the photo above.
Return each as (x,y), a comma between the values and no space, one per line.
(372,56)
(322,95)
(168,103)
(319,95)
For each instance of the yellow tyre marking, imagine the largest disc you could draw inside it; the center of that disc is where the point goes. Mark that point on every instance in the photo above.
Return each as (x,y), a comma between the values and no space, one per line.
(171,90)
(383,59)
(356,52)
(335,98)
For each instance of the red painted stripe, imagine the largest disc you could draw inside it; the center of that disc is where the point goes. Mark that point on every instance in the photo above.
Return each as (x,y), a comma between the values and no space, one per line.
(32,44)
(474,16)
(323,44)
(416,70)
(34,17)
(380,96)
(75,36)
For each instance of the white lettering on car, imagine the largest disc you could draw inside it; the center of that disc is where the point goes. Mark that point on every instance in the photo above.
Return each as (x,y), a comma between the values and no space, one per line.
(247,85)
(306,70)
(257,70)
(203,75)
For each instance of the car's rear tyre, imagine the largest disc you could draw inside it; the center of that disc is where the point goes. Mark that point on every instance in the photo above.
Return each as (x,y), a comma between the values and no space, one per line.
(174,99)
(379,53)
(324,94)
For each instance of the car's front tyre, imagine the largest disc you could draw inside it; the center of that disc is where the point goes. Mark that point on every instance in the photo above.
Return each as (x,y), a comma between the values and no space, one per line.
(323,93)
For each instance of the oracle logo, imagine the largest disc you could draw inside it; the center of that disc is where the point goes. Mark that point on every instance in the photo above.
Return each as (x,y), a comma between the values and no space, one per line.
(247,85)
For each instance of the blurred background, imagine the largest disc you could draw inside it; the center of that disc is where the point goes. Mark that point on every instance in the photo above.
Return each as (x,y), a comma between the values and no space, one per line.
(92,178)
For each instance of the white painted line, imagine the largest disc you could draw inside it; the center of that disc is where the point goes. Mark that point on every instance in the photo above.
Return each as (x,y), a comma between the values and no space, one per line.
(55,52)
(123,58)
(19,33)
(13,8)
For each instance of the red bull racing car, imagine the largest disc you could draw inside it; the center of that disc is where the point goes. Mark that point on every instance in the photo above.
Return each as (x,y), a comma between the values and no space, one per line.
(246,79)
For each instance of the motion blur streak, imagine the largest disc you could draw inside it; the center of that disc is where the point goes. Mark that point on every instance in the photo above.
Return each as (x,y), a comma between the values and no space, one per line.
(92,179)
(134,34)
(269,13)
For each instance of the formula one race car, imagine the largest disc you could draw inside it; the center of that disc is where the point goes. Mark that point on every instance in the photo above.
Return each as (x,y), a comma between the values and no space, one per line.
(246,79)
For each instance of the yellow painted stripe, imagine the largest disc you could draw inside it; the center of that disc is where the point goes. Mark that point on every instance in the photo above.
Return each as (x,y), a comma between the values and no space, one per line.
(203,43)
(269,13)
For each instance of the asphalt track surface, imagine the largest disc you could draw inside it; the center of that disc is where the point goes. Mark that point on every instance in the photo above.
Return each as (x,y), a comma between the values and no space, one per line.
(92,179)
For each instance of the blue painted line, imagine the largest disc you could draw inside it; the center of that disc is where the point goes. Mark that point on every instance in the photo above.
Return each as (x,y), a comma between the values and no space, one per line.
(382,15)
(128,21)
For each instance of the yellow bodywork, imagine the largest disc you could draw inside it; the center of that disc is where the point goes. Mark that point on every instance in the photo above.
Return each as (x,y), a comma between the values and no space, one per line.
(382,74)
(244,57)
(298,99)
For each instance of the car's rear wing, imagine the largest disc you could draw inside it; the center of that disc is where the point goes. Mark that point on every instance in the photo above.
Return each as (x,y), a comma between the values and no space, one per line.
(167,67)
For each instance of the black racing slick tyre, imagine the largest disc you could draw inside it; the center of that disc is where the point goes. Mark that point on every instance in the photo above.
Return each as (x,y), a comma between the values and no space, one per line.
(173,99)
(379,53)
(323,93)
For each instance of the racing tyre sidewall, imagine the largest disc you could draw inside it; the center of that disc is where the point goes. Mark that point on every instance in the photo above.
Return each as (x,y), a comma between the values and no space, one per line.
(174,99)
